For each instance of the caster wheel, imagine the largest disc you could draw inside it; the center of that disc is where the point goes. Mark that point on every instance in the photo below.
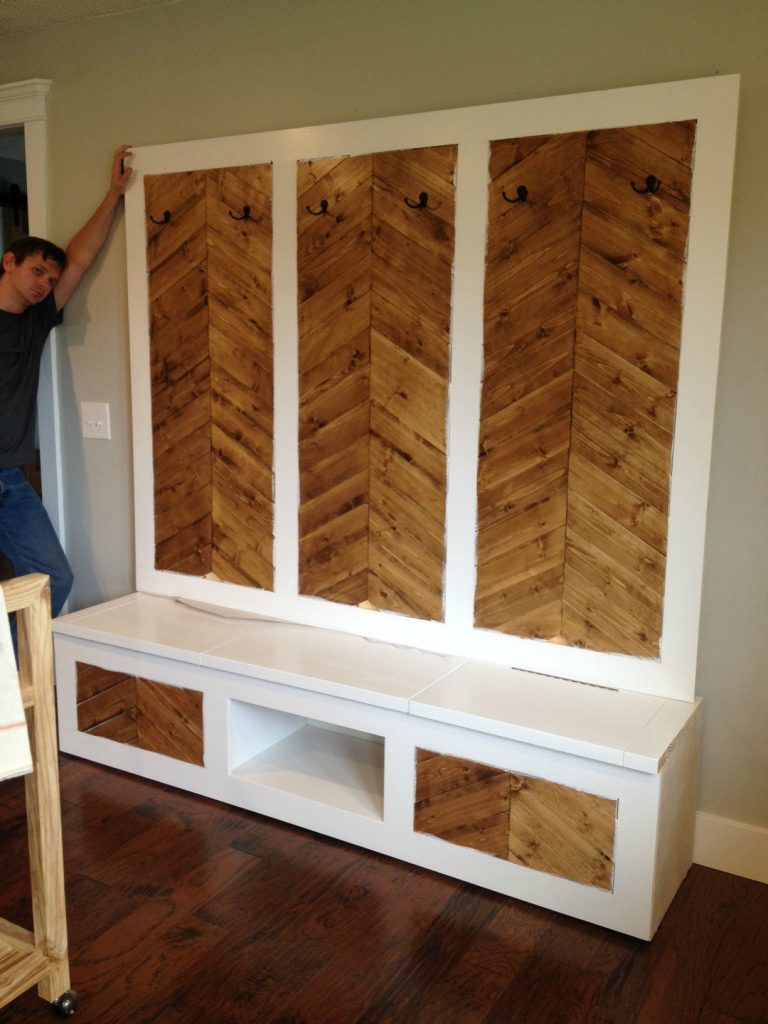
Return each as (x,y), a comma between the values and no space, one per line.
(65,1005)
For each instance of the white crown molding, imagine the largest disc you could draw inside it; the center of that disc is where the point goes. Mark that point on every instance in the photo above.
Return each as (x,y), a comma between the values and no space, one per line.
(23,101)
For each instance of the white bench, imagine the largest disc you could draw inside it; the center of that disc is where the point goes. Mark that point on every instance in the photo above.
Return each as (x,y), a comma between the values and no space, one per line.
(569,796)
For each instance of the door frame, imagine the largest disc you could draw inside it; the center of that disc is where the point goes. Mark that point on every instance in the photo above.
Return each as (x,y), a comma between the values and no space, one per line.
(23,104)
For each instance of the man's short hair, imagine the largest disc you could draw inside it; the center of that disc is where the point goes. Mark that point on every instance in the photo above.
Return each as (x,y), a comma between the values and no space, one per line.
(30,246)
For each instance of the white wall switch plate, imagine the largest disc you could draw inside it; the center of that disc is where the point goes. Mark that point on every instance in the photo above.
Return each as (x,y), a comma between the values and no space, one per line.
(95,419)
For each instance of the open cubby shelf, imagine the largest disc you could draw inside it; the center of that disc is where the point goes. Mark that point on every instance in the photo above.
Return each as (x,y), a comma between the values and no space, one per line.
(340,768)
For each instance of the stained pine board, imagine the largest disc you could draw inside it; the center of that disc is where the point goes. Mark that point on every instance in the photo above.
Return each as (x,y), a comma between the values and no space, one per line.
(170,720)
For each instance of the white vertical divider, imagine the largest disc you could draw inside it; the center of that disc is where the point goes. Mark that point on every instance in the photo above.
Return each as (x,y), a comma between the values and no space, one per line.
(465,383)
(286,374)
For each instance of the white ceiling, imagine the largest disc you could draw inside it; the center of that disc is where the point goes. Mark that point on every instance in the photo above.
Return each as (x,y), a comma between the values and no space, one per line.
(27,15)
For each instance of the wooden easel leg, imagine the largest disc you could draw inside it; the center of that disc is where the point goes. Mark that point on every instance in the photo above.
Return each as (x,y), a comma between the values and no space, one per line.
(43,800)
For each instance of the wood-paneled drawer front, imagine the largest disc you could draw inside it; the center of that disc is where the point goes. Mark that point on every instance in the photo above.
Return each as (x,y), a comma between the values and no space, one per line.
(539,824)
(141,713)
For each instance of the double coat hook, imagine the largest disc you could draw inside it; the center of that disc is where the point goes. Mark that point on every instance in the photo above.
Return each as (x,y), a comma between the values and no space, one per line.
(652,186)
(246,214)
(321,212)
(421,204)
(165,220)
(522,195)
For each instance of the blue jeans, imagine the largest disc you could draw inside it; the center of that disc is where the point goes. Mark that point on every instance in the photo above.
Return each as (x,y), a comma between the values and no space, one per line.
(27,536)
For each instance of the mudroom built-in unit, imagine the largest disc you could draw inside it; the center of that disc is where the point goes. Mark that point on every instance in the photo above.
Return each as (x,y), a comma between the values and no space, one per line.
(422,424)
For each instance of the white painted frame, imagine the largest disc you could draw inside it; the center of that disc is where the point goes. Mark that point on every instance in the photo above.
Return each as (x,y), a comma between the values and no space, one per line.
(23,104)
(712,102)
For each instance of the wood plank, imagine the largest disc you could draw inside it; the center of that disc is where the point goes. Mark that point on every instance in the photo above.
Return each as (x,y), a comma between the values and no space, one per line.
(334,314)
(530,290)
(91,680)
(462,802)
(334,558)
(335,453)
(187,549)
(612,607)
(118,700)
(637,393)
(411,281)
(402,570)
(240,343)
(408,392)
(562,831)
(170,720)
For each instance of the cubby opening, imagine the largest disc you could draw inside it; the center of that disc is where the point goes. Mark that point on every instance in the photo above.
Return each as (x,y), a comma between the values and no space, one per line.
(336,766)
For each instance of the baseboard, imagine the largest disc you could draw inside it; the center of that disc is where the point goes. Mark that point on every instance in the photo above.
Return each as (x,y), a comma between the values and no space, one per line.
(731,846)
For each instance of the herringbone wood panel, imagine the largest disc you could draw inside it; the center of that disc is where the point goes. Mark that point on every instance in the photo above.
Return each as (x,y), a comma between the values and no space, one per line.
(631,269)
(140,712)
(545,826)
(177,260)
(583,313)
(374,317)
(212,376)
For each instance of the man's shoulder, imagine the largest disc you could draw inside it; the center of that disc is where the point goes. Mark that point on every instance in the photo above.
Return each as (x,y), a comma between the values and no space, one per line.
(44,314)
(35,321)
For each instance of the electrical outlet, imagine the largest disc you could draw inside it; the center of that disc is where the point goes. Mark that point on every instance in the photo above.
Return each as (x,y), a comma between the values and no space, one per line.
(95,420)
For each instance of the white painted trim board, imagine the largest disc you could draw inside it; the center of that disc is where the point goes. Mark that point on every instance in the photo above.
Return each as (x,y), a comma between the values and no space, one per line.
(732,846)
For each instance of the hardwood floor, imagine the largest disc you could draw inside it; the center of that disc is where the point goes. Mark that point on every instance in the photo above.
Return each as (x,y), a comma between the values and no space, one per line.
(184,909)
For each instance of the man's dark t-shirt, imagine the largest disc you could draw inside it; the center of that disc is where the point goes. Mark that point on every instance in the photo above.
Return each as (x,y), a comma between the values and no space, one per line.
(22,339)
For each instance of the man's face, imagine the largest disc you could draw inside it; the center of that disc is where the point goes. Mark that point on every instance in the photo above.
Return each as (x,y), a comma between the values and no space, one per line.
(32,279)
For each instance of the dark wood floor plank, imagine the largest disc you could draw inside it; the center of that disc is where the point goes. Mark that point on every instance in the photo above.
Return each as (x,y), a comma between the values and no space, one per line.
(439,951)
(510,938)
(548,992)
(364,931)
(712,1017)
(120,972)
(12,794)
(739,971)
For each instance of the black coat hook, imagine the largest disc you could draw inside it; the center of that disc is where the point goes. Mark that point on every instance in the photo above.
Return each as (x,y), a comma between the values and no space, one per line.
(321,212)
(522,195)
(422,203)
(652,185)
(166,218)
(246,214)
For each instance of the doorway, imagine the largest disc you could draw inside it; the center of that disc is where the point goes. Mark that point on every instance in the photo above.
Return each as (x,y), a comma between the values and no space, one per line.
(23,157)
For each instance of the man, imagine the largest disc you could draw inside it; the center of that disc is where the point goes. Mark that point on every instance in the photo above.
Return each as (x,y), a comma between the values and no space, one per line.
(36,281)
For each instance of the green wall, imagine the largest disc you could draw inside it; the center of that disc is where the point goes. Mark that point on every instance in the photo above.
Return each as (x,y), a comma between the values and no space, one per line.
(201,68)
